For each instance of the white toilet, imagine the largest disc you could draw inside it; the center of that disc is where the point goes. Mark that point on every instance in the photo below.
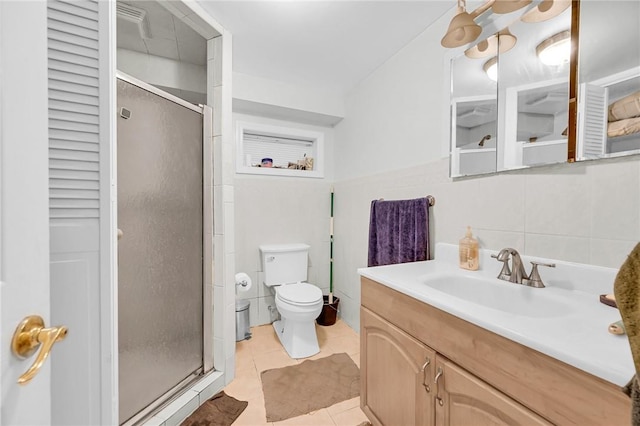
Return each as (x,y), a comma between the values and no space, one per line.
(299,303)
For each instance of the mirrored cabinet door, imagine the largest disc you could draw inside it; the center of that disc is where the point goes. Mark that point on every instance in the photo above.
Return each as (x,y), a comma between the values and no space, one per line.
(510,92)
(518,79)
(608,79)
(533,92)
(474,109)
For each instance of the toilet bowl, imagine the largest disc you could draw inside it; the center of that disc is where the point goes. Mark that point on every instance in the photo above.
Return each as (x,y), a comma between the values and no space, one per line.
(299,306)
(299,303)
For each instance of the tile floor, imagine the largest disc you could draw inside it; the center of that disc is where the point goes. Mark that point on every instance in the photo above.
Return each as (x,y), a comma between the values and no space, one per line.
(264,351)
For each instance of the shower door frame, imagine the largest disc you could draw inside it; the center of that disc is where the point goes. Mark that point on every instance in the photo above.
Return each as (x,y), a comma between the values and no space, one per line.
(207,239)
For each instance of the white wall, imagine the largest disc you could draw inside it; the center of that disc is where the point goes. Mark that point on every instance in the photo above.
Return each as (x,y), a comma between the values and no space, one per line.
(270,92)
(396,117)
(390,145)
(274,210)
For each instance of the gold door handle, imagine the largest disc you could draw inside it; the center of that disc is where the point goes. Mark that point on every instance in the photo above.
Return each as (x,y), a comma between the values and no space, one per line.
(28,336)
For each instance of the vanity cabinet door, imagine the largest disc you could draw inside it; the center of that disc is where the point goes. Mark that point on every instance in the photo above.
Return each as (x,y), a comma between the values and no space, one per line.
(463,399)
(396,385)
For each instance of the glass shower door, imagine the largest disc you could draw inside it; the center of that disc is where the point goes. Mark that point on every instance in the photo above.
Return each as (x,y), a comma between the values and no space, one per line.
(160,254)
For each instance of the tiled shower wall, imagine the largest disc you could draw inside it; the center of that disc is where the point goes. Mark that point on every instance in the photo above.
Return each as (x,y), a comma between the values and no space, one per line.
(587,212)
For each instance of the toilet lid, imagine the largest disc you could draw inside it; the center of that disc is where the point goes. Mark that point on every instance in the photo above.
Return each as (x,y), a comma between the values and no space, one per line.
(301,293)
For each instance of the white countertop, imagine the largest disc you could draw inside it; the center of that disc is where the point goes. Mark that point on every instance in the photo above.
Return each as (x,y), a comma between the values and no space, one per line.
(578,337)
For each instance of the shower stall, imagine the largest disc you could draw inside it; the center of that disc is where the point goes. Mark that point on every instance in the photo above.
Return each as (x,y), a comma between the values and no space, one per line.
(161,236)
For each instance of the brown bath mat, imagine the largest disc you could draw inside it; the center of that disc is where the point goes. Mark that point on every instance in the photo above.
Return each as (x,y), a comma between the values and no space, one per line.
(221,410)
(313,384)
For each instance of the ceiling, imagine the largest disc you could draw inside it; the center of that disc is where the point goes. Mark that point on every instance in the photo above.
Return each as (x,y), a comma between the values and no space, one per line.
(168,36)
(321,44)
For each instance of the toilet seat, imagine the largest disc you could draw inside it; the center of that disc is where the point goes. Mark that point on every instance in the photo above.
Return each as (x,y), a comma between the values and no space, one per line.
(300,294)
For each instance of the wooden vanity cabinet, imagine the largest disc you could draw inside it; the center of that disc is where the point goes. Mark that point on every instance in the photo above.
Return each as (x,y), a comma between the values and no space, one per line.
(399,388)
(486,379)
(463,399)
(396,384)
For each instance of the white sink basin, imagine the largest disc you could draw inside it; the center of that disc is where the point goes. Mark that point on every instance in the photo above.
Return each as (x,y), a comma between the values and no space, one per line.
(564,320)
(500,295)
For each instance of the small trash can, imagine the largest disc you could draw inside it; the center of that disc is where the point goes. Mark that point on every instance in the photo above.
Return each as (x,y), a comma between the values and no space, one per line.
(329,311)
(242,320)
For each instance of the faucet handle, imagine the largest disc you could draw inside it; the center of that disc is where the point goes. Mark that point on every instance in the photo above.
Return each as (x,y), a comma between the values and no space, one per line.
(503,256)
(534,278)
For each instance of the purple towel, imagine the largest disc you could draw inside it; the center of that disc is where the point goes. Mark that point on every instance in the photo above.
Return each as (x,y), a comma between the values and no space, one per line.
(398,231)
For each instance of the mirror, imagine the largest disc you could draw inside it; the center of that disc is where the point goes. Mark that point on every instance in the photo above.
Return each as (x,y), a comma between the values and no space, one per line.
(474,115)
(525,113)
(533,89)
(608,79)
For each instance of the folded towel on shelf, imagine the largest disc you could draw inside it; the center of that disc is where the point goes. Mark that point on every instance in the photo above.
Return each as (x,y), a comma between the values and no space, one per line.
(627,107)
(625,127)
(627,291)
(398,231)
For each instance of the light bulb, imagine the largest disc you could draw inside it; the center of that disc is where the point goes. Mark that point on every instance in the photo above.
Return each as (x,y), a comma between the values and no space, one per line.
(491,68)
(555,50)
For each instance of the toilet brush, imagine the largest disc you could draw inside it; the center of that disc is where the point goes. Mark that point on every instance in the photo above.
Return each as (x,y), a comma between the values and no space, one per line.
(331,251)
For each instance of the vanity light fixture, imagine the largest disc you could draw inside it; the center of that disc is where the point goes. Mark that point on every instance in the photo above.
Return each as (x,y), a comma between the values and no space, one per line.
(463,29)
(546,10)
(508,6)
(555,50)
(491,68)
(489,47)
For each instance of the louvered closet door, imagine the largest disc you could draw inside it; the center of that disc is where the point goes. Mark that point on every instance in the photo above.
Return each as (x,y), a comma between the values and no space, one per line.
(592,121)
(78,139)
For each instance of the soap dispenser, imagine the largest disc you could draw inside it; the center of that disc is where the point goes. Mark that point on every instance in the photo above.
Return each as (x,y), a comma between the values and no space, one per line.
(469,251)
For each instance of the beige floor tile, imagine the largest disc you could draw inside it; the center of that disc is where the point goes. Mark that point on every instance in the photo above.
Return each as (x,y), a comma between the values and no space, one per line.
(343,406)
(253,415)
(351,417)
(340,328)
(264,351)
(262,330)
(317,418)
(264,342)
(244,357)
(323,353)
(242,347)
(356,358)
(246,386)
(273,359)
(343,343)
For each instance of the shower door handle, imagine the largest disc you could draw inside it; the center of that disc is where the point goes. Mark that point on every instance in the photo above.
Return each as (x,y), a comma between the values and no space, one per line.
(120,234)
(30,334)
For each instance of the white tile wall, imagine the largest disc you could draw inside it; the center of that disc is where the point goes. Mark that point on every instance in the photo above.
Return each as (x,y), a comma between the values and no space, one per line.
(585,212)
(275,210)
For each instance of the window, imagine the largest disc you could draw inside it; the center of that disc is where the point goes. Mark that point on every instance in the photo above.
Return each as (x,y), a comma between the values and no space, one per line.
(282,151)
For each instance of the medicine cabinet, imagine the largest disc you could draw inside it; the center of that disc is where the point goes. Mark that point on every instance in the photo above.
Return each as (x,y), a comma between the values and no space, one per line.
(584,109)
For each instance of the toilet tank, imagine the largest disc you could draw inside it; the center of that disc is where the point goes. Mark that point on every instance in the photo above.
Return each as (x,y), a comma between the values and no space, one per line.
(284,263)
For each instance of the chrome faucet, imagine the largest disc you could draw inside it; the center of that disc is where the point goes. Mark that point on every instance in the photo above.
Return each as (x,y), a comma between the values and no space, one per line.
(517,274)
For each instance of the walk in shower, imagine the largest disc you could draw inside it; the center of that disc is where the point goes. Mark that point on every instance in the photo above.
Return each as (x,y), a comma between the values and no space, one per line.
(160,246)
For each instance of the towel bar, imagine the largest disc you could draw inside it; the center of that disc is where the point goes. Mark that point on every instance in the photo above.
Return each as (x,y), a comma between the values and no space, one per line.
(430,198)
